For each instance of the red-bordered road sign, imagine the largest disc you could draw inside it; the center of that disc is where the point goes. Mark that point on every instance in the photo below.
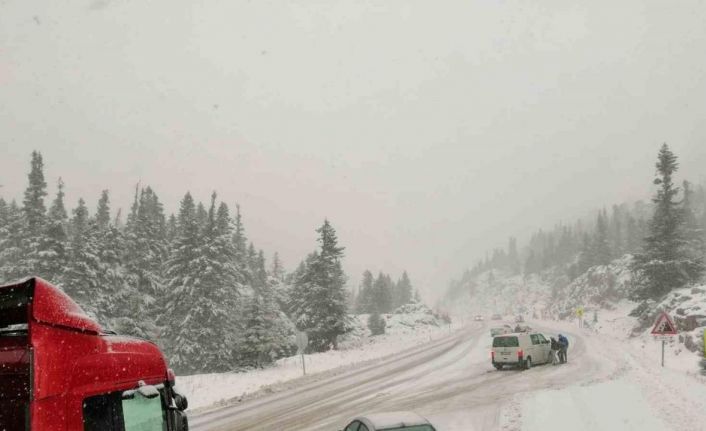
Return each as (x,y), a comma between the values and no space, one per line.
(664,325)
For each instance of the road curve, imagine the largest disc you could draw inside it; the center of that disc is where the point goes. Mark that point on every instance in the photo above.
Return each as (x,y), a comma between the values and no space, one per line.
(449,380)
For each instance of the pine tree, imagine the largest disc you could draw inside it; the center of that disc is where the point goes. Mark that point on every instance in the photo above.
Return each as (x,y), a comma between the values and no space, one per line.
(117,299)
(404,290)
(11,246)
(365,299)
(601,253)
(81,277)
(33,231)
(665,261)
(34,209)
(382,295)
(146,249)
(267,333)
(616,232)
(693,234)
(376,324)
(277,272)
(203,289)
(55,240)
(103,211)
(319,295)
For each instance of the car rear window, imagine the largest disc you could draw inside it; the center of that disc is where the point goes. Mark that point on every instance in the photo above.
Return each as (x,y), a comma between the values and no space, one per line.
(505,342)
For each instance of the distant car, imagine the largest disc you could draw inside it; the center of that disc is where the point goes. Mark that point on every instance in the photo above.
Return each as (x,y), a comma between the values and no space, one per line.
(520,350)
(393,421)
(496,317)
(478,318)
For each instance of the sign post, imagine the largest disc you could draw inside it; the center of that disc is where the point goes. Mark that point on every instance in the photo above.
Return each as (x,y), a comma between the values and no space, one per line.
(302,343)
(664,327)
(579,314)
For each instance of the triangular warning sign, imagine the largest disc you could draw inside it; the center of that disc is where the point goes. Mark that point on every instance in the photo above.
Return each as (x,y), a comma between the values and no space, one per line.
(664,325)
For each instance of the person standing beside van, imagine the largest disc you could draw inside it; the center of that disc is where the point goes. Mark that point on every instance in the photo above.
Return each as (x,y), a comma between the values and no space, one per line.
(554,349)
(563,347)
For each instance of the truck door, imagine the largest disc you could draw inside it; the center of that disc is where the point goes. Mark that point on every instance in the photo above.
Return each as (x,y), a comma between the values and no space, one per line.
(125,411)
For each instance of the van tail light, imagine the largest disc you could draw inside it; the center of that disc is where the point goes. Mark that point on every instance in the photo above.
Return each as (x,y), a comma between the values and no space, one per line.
(520,354)
(492,355)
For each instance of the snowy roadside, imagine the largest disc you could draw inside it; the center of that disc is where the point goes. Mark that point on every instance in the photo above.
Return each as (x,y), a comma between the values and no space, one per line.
(639,395)
(206,391)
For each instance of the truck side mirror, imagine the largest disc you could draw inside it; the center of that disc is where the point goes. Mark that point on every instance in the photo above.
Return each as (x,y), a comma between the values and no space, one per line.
(181,402)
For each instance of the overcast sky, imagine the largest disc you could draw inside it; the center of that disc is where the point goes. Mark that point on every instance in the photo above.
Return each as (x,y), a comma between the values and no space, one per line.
(426,131)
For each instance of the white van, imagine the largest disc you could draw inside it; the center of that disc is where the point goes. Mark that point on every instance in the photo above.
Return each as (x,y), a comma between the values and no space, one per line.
(520,350)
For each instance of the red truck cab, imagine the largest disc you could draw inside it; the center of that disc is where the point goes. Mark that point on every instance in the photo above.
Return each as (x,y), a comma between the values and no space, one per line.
(59,370)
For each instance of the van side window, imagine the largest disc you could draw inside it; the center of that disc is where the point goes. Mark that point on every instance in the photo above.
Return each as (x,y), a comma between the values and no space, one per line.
(535,339)
(103,413)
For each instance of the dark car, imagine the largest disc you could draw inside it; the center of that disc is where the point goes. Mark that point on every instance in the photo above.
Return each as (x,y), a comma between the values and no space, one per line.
(393,421)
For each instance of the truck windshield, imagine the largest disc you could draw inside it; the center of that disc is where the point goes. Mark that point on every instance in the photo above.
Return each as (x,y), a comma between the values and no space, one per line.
(505,342)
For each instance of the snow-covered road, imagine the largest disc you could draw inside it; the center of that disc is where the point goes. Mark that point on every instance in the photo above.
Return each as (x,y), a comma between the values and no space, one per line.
(451,382)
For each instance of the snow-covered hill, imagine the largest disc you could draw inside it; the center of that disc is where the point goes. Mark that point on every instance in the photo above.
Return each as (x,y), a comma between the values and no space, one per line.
(600,287)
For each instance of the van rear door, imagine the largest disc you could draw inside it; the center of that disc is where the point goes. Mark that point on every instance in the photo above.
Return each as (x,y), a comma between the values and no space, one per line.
(15,357)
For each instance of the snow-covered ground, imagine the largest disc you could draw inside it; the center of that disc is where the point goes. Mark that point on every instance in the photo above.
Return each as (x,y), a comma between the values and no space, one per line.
(403,331)
(638,395)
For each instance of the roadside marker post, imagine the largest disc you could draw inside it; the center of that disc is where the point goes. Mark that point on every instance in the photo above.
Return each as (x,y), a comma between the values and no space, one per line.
(302,343)
(664,327)
(579,314)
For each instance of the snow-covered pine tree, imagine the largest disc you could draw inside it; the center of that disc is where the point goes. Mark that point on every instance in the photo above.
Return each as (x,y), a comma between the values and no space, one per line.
(171,228)
(116,298)
(4,208)
(182,278)
(146,250)
(204,285)
(277,270)
(11,237)
(382,295)
(268,335)
(376,324)
(319,296)
(695,244)
(55,240)
(404,290)
(665,262)
(365,299)
(601,252)
(34,219)
(81,277)
(617,237)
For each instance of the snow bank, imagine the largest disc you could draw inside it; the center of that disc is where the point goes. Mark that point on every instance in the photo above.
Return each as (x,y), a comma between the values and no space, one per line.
(403,331)
(614,405)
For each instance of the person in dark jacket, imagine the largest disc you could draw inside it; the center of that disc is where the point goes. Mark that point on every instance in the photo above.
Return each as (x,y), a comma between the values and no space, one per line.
(563,347)
(554,348)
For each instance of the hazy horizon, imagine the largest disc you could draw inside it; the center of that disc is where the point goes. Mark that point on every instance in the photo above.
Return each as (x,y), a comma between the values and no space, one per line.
(426,134)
